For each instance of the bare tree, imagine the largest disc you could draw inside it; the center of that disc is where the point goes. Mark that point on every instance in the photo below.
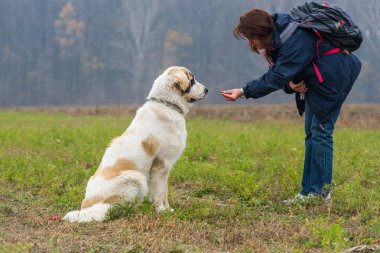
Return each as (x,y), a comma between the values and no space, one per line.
(69,31)
(139,31)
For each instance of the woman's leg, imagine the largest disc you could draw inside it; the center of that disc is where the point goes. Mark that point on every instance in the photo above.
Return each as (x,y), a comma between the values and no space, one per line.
(330,124)
(321,162)
(306,186)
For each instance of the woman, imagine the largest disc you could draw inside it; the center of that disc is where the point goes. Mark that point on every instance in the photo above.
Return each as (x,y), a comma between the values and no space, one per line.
(292,69)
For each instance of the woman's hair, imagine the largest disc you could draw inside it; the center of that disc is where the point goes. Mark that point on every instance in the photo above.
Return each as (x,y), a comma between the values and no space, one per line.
(256,24)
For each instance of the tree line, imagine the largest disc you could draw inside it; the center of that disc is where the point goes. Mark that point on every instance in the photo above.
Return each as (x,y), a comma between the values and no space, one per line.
(86,52)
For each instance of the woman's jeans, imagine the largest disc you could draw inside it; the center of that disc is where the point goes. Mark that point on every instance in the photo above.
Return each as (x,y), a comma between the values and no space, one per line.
(317,172)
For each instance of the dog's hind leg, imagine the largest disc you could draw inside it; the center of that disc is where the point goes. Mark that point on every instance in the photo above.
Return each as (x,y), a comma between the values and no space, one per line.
(136,186)
(130,186)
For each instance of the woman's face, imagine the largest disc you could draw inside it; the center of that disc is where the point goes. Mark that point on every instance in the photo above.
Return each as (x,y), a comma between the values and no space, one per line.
(256,43)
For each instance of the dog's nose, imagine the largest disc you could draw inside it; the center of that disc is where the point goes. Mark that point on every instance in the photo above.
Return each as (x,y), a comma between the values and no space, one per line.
(206,90)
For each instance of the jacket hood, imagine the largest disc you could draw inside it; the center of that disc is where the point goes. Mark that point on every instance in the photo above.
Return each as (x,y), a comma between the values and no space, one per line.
(281,20)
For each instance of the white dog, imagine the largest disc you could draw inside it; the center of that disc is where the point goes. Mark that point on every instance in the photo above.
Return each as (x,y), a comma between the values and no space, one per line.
(138,162)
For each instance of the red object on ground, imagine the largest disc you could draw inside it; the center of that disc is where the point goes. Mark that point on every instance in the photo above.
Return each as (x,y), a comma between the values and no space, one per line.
(54,218)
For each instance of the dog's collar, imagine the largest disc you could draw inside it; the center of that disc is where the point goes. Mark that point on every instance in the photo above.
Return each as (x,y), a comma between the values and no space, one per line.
(167,103)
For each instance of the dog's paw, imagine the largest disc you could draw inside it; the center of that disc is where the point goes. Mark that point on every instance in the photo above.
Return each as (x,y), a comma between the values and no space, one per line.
(162,208)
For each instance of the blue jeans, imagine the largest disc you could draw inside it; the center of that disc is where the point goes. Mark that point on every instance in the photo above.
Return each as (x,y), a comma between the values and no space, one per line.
(318,164)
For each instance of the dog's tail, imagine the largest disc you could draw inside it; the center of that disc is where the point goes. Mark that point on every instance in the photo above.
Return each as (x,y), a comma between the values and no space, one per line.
(134,187)
(97,212)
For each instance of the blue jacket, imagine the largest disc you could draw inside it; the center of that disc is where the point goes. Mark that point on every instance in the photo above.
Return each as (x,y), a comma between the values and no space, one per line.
(293,62)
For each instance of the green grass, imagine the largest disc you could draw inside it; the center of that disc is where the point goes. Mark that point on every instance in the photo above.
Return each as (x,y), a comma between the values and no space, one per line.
(231,175)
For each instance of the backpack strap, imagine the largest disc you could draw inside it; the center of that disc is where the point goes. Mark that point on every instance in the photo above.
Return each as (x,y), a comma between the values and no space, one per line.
(298,13)
(316,70)
(288,31)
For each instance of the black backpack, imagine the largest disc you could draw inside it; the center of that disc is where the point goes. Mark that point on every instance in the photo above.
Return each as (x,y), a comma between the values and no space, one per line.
(330,22)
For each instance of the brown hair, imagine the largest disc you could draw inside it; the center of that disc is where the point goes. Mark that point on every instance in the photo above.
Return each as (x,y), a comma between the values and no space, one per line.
(256,24)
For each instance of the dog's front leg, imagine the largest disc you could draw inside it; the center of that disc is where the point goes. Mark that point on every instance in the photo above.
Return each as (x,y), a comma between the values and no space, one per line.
(158,186)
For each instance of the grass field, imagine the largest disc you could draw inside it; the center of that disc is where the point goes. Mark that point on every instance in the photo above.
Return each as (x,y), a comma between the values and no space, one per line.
(227,189)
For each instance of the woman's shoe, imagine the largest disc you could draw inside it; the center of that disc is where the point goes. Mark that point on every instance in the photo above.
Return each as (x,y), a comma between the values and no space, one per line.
(310,198)
(299,198)
(326,198)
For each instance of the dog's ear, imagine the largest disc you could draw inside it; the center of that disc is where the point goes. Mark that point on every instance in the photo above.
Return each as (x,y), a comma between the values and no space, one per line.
(182,79)
(183,86)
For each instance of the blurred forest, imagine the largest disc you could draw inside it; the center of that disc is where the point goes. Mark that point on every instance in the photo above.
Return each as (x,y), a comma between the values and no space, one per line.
(92,52)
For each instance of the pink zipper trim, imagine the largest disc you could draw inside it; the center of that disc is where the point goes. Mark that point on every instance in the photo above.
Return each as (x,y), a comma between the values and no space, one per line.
(320,79)
(332,51)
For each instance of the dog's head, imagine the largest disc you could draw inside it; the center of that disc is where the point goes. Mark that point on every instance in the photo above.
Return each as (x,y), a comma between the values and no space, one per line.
(182,81)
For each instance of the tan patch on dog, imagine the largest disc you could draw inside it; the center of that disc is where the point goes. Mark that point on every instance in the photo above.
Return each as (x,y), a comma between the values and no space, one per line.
(174,70)
(150,145)
(86,203)
(113,199)
(116,169)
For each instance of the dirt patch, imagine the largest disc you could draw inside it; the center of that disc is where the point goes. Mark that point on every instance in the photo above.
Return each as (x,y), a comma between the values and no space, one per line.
(352,116)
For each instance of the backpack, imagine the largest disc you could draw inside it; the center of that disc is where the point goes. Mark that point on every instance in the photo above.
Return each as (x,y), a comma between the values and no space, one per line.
(330,22)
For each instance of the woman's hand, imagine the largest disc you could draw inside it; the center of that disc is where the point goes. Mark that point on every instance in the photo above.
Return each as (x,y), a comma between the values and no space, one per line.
(298,87)
(231,95)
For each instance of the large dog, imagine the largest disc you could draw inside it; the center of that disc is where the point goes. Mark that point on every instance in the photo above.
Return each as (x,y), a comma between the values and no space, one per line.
(138,163)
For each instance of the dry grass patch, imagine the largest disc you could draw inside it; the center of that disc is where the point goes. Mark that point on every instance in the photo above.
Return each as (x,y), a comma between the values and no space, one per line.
(150,232)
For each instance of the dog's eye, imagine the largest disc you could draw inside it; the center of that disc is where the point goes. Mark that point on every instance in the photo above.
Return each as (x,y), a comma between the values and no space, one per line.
(192,82)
